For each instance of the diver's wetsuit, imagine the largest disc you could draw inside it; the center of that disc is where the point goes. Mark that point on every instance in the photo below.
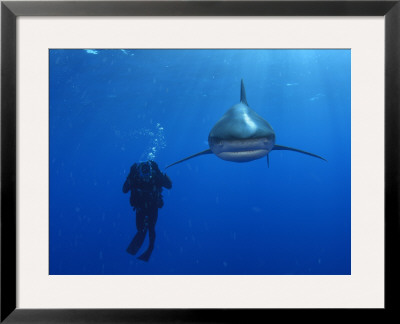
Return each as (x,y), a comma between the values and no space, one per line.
(145,181)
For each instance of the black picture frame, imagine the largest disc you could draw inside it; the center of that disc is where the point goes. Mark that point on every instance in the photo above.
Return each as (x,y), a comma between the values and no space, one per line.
(10,10)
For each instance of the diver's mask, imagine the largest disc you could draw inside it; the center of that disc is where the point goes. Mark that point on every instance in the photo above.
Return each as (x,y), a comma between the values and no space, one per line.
(145,171)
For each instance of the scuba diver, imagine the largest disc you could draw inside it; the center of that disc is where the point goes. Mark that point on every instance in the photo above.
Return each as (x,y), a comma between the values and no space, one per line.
(145,181)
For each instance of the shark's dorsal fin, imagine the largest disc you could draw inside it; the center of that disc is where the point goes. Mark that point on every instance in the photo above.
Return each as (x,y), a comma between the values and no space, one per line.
(243,94)
(208,151)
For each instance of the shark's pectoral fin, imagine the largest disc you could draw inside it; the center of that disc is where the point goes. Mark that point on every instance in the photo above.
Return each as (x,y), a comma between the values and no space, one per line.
(190,157)
(280,147)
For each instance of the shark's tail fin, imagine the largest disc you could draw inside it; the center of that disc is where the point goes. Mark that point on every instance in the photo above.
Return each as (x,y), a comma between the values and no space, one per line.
(243,93)
(280,147)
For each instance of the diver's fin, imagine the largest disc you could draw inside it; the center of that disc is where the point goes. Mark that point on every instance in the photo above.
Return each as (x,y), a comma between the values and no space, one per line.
(268,160)
(208,151)
(137,242)
(280,147)
(243,93)
(146,255)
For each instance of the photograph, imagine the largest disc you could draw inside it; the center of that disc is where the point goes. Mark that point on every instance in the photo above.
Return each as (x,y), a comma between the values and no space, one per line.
(199,161)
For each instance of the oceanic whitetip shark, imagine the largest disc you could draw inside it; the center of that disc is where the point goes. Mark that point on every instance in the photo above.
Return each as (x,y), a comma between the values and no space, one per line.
(241,135)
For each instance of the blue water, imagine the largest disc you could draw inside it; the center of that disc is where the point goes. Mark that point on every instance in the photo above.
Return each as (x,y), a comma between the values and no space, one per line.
(111,108)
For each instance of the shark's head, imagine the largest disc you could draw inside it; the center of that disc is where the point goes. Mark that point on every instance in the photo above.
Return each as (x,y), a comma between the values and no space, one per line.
(241,135)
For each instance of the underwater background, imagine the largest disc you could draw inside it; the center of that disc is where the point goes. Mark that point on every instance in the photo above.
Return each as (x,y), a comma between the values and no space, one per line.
(112,108)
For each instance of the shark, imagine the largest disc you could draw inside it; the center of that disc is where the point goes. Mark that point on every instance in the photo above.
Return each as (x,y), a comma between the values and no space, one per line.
(241,135)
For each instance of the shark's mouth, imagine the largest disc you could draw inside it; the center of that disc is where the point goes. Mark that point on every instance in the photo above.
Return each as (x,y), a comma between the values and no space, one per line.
(242,150)
(242,156)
